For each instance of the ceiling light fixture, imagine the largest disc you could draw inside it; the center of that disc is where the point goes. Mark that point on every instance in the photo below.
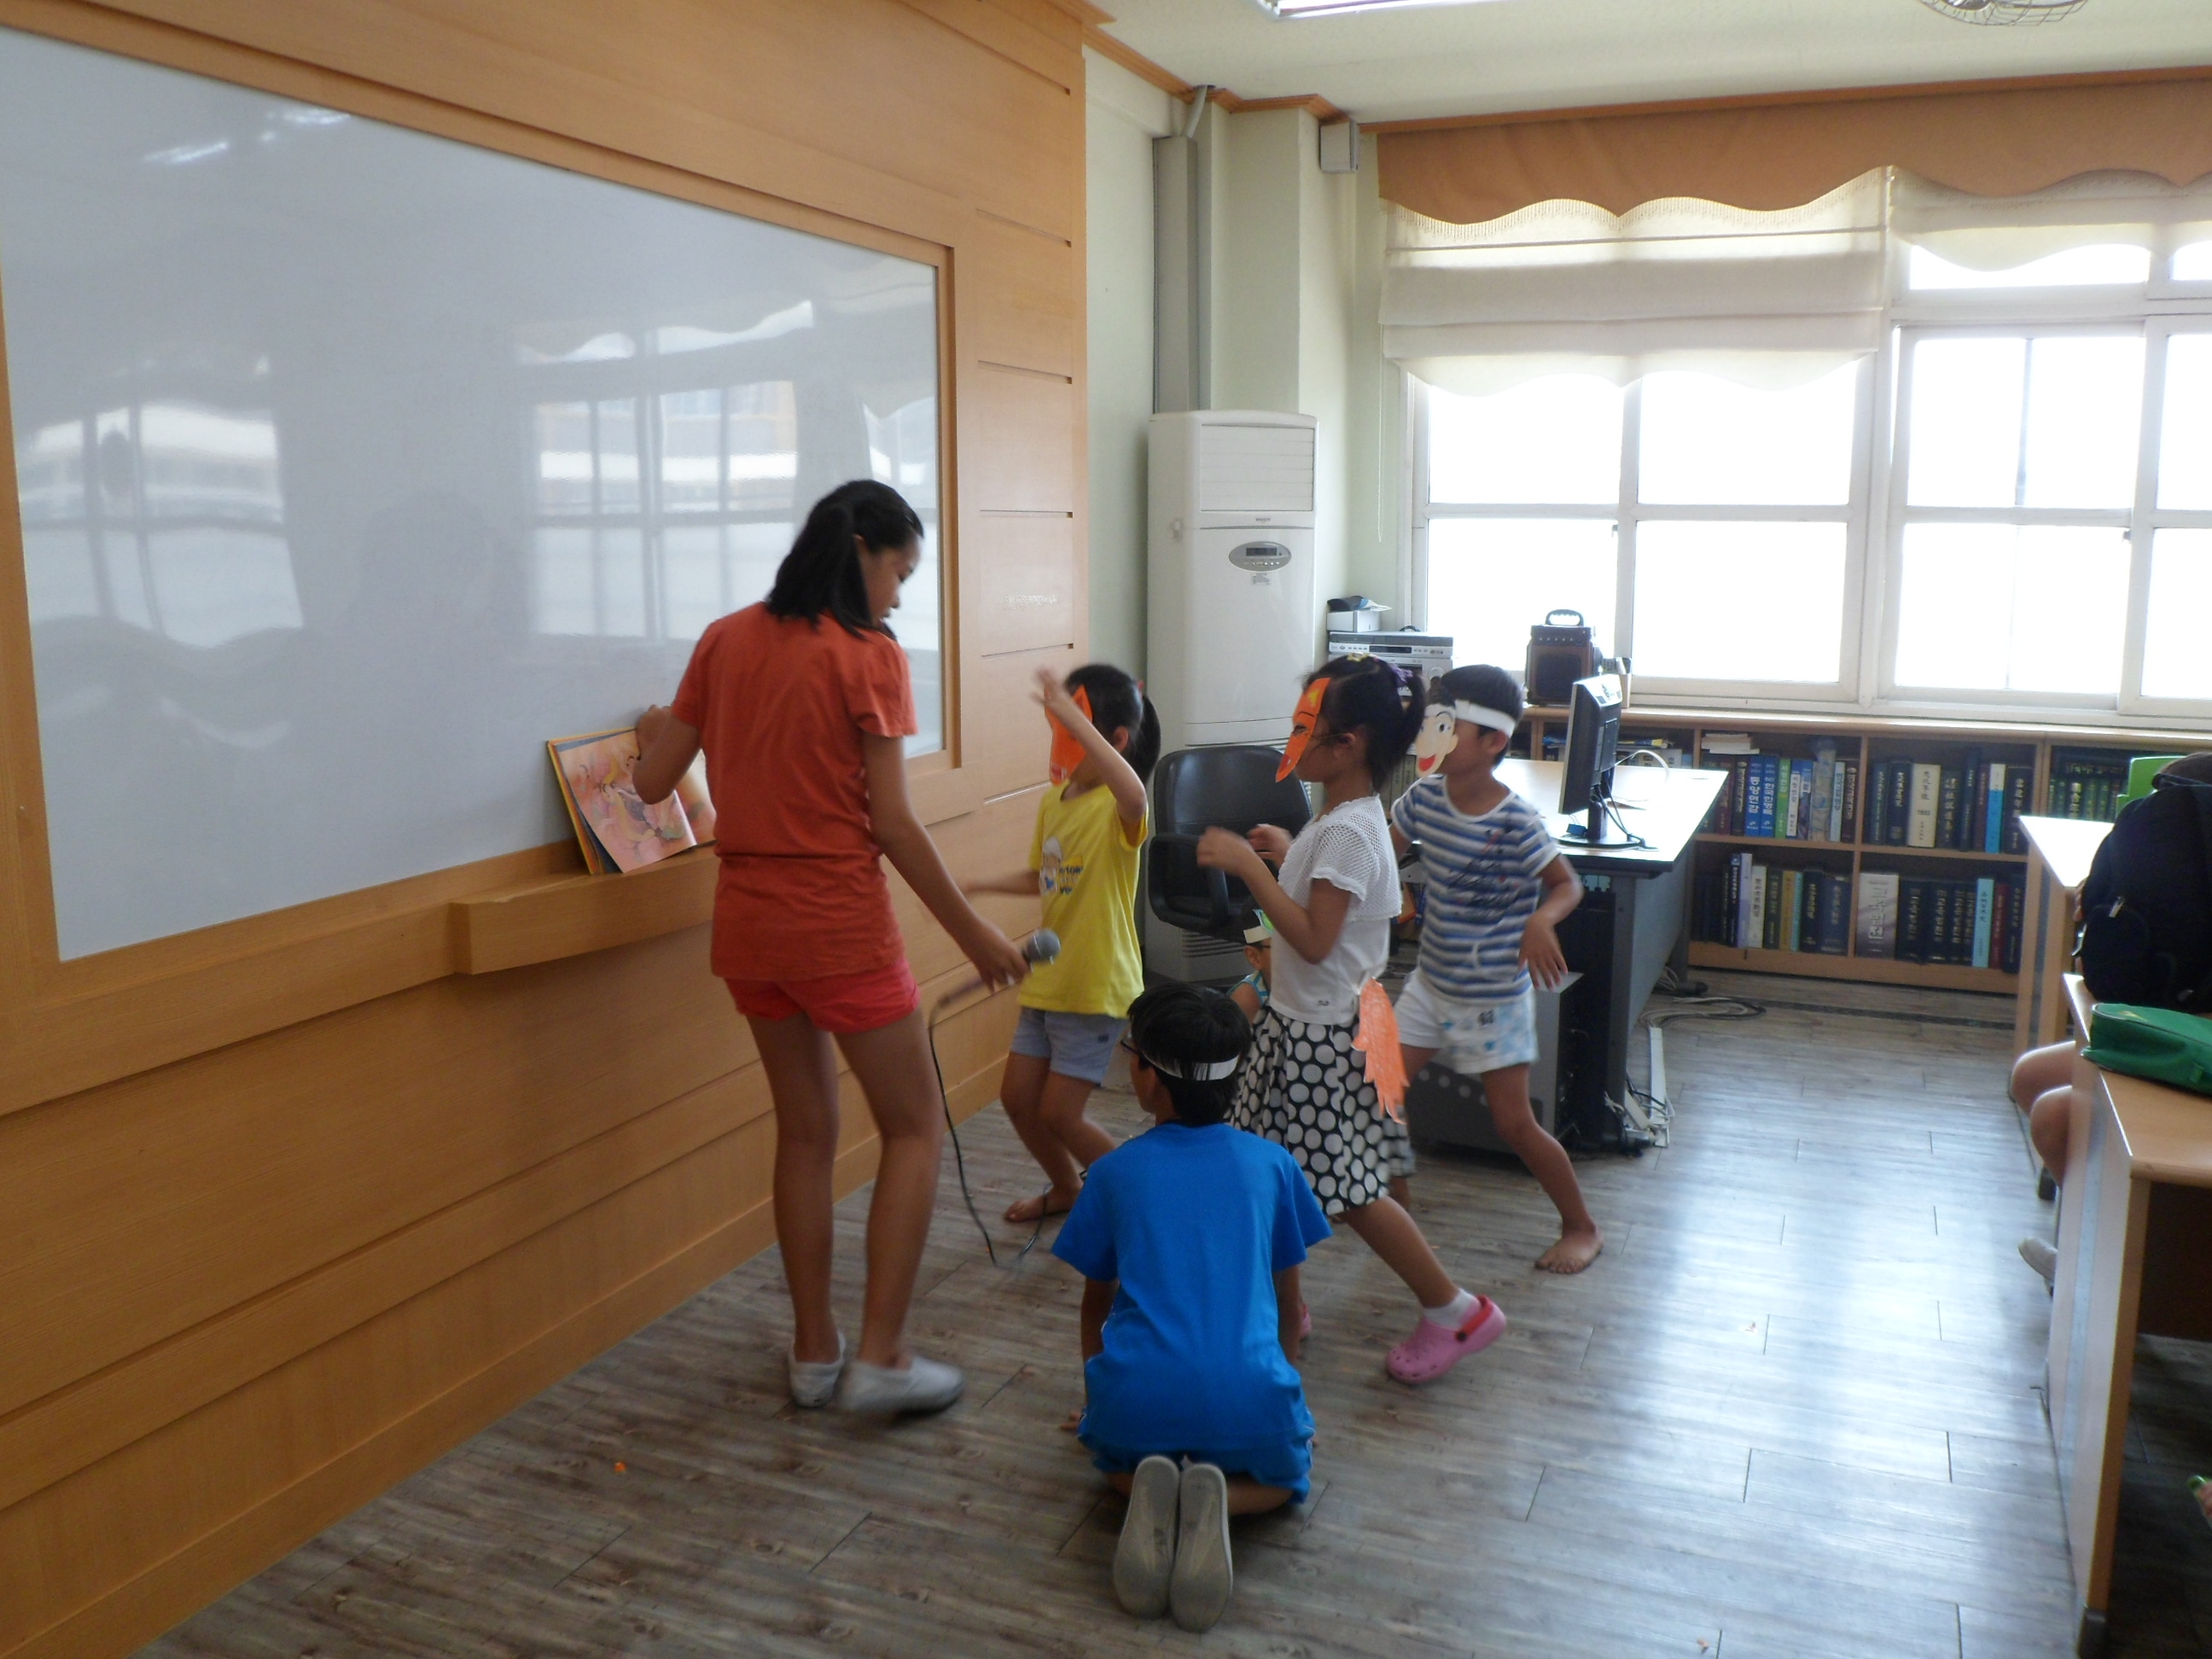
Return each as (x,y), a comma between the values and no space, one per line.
(2003,12)
(1296,8)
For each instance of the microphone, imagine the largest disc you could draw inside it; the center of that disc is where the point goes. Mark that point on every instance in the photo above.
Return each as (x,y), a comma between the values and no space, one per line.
(1041,947)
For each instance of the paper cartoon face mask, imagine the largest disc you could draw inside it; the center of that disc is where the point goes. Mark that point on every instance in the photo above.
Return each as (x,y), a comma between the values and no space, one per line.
(1067,747)
(1439,737)
(1302,720)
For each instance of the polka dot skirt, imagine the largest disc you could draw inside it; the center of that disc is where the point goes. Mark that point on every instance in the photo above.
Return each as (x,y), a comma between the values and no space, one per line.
(1305,1089)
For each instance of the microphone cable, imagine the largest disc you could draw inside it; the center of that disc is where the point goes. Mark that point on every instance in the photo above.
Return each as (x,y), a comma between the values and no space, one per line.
(960,1161)
(1042,946)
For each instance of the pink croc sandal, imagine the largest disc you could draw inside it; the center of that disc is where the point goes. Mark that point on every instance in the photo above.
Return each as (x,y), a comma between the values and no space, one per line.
(1432,1350)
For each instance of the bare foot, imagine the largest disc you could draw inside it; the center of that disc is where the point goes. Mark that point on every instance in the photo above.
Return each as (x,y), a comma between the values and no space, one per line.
(1059,1201)
(1576,1250)
(1073,1421)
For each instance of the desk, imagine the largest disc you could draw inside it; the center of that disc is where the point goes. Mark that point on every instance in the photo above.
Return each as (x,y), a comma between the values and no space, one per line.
(2134,1234)
(2059,851)
(1621,947)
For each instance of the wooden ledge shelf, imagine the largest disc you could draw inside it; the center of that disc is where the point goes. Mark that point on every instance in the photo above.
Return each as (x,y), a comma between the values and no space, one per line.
(1871,970)
(557,916)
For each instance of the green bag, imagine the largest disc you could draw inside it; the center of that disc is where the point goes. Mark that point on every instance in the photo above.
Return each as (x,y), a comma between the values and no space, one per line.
(2163,1044)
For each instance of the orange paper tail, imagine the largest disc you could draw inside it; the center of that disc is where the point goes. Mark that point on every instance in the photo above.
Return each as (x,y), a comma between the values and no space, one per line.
(1377,1038)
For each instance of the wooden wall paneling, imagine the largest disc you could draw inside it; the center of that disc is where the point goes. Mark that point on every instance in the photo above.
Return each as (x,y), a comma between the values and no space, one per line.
(1029,571)
(762,96)
(1027,286)
(297,1207)
(677,1205)
(1012,740)
(1027,462)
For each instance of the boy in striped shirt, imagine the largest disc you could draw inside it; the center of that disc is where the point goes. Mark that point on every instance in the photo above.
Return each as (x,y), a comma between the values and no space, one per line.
(1498,890)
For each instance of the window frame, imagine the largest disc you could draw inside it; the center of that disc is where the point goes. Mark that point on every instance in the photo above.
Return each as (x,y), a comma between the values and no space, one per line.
(1627,511)
(1876,515)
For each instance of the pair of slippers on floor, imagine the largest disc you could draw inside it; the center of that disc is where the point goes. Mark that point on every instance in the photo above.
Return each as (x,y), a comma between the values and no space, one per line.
(1174,1553)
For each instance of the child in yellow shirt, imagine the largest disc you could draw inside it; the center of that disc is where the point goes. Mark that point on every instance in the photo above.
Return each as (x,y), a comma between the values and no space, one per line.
(1084,859)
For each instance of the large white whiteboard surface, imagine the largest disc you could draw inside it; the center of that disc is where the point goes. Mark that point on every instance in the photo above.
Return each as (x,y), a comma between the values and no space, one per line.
(353,463)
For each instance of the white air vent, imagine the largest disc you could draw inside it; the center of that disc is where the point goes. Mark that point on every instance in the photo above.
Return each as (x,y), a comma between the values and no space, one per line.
(1255,469)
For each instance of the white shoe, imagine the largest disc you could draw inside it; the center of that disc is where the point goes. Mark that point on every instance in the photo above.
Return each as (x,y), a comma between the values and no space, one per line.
(923,1385)
(814,1383)
(2038,1255)
(1145,1555)
(1199,1586)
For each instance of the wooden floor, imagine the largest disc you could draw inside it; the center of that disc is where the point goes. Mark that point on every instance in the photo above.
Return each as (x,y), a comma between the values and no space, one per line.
(1792,1410)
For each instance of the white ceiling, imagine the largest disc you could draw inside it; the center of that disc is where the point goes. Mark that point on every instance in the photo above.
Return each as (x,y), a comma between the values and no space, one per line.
(1551,54)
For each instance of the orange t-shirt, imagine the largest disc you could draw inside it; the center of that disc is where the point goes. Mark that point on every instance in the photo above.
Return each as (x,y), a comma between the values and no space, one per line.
(781,704)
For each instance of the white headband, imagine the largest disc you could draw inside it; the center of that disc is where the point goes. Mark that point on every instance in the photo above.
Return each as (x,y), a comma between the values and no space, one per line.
(1198,1071)
(1496,719)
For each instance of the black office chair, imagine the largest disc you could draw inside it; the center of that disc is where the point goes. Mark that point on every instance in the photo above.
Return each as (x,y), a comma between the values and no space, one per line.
(1198,789)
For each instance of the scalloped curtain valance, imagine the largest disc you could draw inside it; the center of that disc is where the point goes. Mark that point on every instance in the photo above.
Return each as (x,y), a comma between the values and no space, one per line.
(1985,138)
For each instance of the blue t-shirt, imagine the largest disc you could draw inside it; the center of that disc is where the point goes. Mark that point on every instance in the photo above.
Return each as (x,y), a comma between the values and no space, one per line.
(1195,1223)
(1485,881)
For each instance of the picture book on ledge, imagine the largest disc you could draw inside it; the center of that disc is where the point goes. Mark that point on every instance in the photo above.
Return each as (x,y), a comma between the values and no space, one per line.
(617,831)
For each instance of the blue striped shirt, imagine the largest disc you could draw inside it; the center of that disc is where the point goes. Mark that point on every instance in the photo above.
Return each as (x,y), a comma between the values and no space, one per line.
(1484,884)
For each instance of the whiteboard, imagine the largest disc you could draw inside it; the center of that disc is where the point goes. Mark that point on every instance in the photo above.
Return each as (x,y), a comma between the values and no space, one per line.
(353,463)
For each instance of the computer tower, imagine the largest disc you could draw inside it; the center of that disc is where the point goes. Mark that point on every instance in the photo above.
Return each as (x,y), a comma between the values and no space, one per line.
(1443,1106)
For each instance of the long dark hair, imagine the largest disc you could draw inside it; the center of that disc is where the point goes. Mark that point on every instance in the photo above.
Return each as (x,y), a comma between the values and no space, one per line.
(822,572)
(1183,1026)
(1370,696)
(1118,702)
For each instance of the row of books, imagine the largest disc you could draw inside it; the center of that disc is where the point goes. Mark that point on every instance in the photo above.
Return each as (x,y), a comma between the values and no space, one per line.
(1971,922)
(1788,798)
(1751,904)
(1972,807)
(2084,785)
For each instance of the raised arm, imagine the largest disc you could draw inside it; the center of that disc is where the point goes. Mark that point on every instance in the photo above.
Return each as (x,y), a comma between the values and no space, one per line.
(907,844)
(1113,769)
(665,749)
(1312,928)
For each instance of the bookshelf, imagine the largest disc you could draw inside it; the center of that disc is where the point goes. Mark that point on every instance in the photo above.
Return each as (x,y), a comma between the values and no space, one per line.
(2069,771)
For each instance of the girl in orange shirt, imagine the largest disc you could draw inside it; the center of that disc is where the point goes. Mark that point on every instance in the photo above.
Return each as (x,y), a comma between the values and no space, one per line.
(802,704)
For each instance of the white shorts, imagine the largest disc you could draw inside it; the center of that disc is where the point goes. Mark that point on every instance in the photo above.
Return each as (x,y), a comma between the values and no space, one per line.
(1469,1037)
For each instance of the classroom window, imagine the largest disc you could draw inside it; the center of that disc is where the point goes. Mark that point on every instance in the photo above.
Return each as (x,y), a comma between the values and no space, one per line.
(1721,514)
(2009,507)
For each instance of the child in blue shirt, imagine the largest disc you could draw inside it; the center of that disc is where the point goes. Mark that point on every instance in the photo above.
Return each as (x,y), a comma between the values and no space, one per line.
(1190,1236)
(1498,890)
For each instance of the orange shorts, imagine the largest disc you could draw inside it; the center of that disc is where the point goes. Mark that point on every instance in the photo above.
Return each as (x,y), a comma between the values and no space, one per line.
(842,1004)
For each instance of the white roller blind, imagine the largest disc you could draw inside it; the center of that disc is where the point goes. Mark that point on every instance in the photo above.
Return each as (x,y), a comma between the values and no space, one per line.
(1766,298)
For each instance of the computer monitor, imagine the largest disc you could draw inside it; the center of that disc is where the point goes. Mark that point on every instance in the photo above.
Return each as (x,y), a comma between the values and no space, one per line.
(1593,738)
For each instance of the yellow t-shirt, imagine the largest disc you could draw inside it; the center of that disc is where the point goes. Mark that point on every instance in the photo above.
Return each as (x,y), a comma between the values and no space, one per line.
(1086,866)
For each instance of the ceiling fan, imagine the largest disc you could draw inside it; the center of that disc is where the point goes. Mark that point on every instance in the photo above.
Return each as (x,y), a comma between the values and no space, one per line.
(2002,12)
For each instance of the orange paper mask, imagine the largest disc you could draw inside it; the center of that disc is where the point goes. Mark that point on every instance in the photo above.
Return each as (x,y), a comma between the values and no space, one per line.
(1067,748)
(1302,728)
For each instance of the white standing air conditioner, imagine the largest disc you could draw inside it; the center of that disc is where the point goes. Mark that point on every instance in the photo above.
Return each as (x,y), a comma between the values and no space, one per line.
(1233,623)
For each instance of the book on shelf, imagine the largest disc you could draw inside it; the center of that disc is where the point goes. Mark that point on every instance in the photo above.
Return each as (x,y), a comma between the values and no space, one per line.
(2085,783)
(1777,798)
(1948,796)
(1925,780)
(1877,914)
(1835,937)
(1960,922)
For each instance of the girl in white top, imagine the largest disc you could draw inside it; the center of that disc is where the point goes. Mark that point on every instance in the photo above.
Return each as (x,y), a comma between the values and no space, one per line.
(1305,1085)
